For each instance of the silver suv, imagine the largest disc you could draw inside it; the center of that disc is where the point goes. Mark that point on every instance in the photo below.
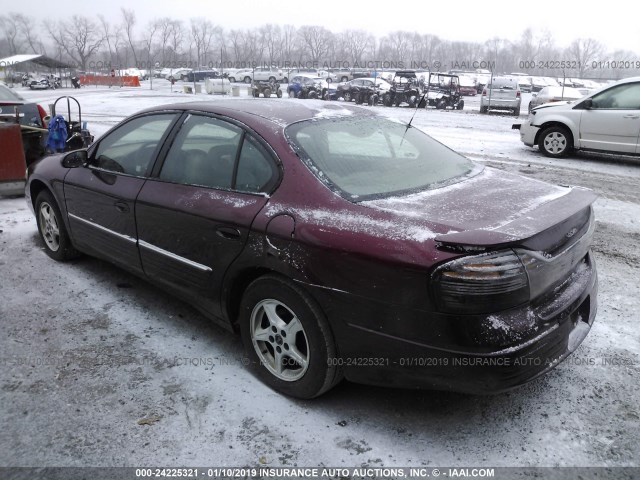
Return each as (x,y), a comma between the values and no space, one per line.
(502,93)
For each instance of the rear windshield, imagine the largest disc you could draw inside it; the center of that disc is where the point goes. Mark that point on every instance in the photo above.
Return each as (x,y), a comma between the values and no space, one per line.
(8,95)
(505,84)
(373,157)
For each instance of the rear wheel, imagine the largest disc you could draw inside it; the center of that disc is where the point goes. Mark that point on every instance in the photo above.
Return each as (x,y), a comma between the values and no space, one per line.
(272,79)
(347,96)
(555,142)
(247,79)
(484,109)
(52,229)
(516,111)
(279,93)
(292,93)
(232,79)
(287,339)
(266,92)
(441,105)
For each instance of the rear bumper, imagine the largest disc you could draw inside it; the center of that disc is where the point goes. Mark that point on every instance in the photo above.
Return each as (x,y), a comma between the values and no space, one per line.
(494,353)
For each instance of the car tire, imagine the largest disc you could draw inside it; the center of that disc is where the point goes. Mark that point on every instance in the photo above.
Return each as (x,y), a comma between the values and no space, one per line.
(267,93)
(441,105)
(185,78)
(344,79)
(347,96)
(292,93)
(484,109)
(247,79)
(313,95)
(52,229)
(516,111)
(272,79)
(287,339)
(460,105)
(279,93)
(256,93)
(232,79)
(555,141)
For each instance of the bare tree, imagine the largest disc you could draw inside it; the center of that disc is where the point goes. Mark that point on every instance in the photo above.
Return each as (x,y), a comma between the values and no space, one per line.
(317,40)
(78,37)
(128,22)
(10,27)
(106,33)
(358,42)
(28,28)
(584,51)
(203,32)
(271,36)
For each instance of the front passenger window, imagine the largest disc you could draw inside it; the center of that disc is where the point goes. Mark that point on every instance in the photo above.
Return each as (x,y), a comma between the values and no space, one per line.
(130,149)
(621,97)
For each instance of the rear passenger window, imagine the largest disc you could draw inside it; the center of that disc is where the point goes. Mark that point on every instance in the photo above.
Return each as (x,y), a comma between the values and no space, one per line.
(203,153)
(256,171)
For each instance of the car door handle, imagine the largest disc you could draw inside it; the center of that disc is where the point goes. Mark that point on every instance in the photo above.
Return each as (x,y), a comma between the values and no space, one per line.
(228,233)
(122,207)
(631,116)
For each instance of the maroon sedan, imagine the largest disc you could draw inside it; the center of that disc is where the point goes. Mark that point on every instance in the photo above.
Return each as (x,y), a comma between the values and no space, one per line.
(338,243)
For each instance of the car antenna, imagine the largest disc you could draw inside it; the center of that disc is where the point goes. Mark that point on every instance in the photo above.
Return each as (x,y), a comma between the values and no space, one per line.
(426,92)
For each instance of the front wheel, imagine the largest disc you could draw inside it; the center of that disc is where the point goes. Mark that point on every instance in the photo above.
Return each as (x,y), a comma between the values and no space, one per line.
(267,93)
(347,96)
(460,105)
(52,229)
(287,339)
(247,79)
(555,142)
(292,93)
(279,93)
(484,109)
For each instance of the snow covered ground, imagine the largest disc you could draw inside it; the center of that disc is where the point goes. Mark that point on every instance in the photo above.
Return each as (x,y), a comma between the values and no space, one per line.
(89,352)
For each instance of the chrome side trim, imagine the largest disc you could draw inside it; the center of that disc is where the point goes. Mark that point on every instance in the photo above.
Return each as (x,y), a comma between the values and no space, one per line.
(104,229)
(173,256)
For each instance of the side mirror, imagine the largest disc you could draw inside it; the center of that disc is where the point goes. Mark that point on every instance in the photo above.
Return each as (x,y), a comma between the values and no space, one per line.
(75,159)
(587,104)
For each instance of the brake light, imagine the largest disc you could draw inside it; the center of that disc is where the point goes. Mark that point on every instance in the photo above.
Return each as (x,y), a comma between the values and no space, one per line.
(518,94)
(484,283)
(43,113)
(484,92)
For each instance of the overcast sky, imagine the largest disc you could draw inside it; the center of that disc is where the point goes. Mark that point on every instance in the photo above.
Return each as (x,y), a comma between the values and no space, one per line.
(614,23)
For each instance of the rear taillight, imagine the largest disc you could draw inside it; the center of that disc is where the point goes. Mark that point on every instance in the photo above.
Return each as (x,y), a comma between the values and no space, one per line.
(483,283)
(43,113)
(484,92)
(518,94)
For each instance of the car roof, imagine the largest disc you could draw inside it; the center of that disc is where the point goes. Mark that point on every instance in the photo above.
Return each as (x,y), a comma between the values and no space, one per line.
(281,112)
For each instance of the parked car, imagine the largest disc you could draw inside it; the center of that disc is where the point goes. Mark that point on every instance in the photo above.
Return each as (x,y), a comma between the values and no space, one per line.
(502,93)
(605,121)
(307,86)
(28,114)
(468,86)
(179,74)
(267,74)
(342,74)
(201,75)
(353,89)
(554,94)
(325,235)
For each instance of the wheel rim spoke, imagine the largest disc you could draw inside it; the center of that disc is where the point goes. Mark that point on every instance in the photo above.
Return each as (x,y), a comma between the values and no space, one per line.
(296,355)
